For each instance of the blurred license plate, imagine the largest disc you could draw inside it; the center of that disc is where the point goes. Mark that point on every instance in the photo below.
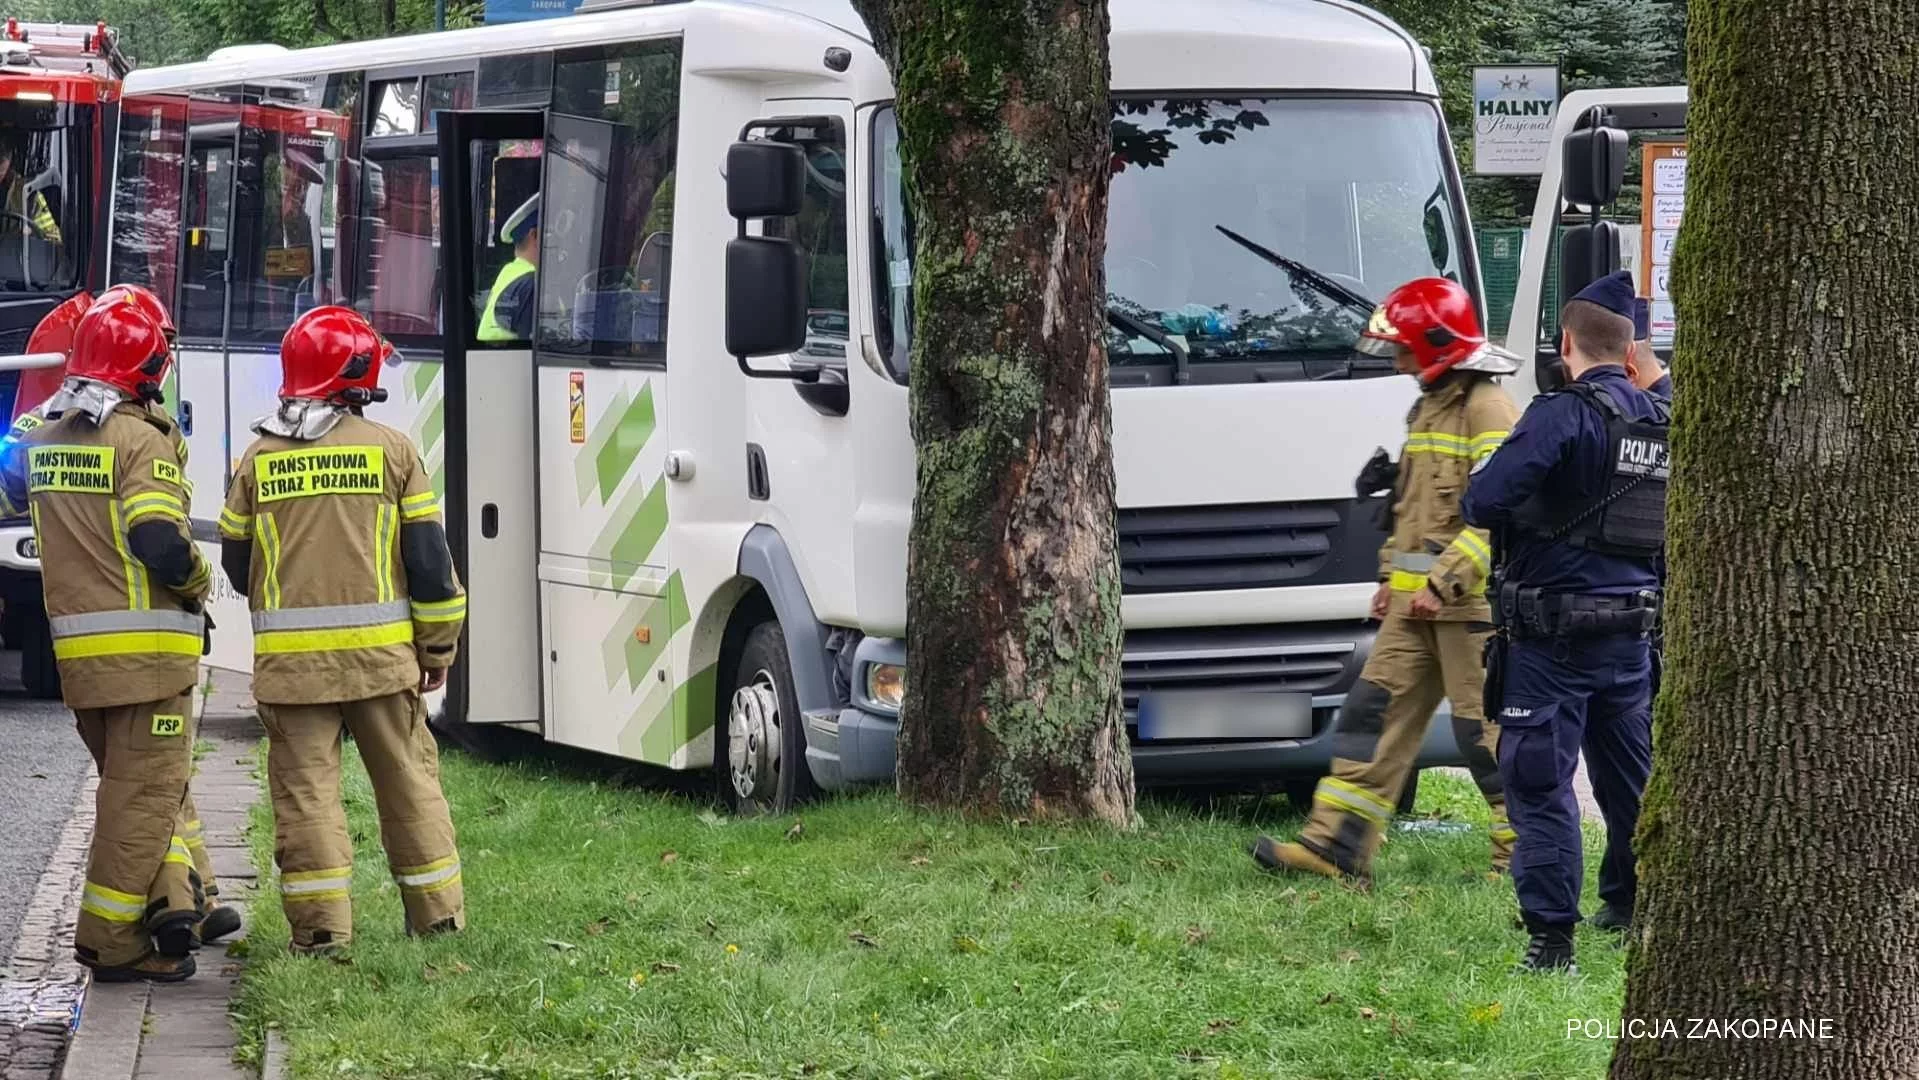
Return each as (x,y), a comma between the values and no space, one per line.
(1201,715)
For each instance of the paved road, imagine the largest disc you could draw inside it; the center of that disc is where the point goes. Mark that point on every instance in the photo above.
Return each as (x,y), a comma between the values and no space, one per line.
(41,767)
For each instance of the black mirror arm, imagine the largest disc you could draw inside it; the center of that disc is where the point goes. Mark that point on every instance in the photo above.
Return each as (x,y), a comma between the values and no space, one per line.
(801,375)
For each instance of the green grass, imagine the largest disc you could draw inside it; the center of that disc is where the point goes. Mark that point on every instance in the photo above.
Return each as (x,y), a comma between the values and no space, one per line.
(622,933)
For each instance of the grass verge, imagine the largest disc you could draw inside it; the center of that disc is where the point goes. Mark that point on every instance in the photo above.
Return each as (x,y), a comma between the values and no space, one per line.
(624,933)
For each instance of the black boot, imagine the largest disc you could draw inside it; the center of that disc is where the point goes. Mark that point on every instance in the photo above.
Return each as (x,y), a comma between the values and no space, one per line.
(1551,951)
(219,922)
(1611,919)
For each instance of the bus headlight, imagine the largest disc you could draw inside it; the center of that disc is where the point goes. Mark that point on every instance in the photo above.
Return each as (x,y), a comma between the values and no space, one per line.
(886,686)
(28,548)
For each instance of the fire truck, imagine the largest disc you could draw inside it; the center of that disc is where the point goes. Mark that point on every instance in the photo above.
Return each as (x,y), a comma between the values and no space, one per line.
(59,102)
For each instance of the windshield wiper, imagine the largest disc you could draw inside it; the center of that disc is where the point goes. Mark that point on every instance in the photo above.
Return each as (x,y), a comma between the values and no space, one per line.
(1182,359)
(1311,276)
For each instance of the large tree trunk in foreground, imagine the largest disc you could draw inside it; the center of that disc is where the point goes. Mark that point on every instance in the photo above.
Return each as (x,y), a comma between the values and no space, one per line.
(1013,627)
(1779,848)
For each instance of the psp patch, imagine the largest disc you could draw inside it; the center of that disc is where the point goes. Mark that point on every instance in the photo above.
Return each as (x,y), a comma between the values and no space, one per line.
(167,726)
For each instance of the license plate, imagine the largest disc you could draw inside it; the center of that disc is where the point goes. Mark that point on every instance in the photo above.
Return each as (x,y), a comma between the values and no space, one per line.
(1206,715)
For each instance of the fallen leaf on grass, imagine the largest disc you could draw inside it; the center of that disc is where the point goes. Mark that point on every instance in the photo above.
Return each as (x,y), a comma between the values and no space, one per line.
(1396,1029)
(562,946)
(461,969)
(668,858)
(229,970)
(1107,877)
(598,926)
(711,928)
(1368,1014)
(1487,1014)
(1329,998)
(708,817)
(1196,935)
(798,830)
(664,968)
(964,944)
(919,860)
(430,973)
(1348,956)
(858,937)
(1215,1027)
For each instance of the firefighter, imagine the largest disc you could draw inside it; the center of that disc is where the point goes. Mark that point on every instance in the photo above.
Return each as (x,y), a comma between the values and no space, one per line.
(1578,493)
(334,534)
(1432,590)
(54,334)
(124,587)
(28,207)
(508,315)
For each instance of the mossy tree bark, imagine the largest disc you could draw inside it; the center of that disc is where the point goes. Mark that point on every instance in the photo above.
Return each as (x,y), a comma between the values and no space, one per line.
(1013,624)
(1777,846)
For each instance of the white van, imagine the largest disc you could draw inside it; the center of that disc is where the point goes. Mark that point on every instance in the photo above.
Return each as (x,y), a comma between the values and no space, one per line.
(673,562)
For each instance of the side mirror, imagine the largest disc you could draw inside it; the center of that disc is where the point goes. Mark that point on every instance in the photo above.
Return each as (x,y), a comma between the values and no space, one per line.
(764,179)
(1586,254)
(765,299)
(1594,165)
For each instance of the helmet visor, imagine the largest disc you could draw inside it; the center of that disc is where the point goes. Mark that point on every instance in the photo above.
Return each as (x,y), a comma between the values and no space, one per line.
(1383,348)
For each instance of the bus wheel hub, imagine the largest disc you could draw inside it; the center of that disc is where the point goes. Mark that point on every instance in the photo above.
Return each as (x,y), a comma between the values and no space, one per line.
(753,737)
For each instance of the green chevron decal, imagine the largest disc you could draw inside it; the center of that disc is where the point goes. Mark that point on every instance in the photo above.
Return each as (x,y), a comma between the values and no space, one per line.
(687,715)
(662,616)
(632,426)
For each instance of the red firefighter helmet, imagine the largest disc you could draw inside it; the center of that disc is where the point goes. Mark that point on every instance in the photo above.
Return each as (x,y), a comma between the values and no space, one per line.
(120,344)
(333,354)
(53,335)
(1434,318)
(147,302)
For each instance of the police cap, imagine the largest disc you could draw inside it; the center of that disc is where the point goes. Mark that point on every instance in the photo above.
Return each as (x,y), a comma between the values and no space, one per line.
(1614,292)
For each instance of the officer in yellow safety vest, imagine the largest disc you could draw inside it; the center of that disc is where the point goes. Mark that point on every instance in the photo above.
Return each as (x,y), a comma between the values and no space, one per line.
(508,315)
(334,534)
(30,207)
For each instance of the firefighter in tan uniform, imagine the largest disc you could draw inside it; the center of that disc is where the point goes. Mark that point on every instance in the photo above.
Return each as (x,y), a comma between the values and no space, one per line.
(1432,593)
(54,334)
(333,532)
(124,585)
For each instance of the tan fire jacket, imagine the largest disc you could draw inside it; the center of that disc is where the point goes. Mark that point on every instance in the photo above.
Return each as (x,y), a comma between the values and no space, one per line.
(1455,425)
(124,581)
(347,570)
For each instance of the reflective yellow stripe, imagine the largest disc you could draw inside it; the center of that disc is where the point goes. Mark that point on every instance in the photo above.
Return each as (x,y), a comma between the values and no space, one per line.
(112,904)
(1342,795)
(153,503)
(1486,442)
(423,890)
(1438,442)
(1475,549)
(440,611)
(315,897)
(131,643)
(385,528)
(235,526)
(1406,581)
(270,550)
(357,637)
(307,886)
(425,504)
(331,873)
(405,872)
(136,574)
(177,852)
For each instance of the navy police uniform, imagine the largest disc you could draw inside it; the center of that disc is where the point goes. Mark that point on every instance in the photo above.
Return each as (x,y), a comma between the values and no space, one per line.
(1575,497)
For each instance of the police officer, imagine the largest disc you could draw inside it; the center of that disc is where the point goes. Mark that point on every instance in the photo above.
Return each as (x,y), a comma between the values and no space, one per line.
(1576,499)
(54,334)
(508,315)
(124,585)
(1646,371)
(334,534)
(1432,590)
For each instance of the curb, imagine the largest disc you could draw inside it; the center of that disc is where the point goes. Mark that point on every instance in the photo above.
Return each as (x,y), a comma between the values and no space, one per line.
(273,1066)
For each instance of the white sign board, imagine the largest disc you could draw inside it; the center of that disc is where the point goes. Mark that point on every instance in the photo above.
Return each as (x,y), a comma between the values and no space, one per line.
(1513,119)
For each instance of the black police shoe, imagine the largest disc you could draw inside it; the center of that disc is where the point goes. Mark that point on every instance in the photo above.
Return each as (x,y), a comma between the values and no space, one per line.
(220,922)
(1611,919)
(1551,951)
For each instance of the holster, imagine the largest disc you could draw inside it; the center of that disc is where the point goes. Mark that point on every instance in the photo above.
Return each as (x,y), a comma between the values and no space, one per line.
(1494,698)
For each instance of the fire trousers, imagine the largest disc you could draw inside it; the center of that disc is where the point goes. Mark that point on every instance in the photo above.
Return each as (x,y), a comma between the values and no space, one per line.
(141,882)
(311,845)
(1414,664)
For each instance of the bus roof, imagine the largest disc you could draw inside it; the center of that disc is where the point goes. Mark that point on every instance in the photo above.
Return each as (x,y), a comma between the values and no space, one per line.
(1237,45)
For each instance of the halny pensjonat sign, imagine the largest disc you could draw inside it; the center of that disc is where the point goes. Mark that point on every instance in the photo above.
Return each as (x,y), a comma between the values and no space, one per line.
(1513,109)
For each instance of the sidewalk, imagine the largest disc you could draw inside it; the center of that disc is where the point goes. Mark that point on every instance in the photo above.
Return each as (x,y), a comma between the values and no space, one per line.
(182,1032)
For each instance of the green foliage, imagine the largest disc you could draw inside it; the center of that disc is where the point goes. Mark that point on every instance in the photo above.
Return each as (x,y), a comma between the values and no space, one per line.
(177,31)
(621,933)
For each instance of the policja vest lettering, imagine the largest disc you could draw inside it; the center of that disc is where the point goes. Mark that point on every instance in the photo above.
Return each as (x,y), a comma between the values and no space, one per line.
(1630,518)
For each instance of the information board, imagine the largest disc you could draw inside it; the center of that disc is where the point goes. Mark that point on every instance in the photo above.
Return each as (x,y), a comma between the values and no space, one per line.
(1662,206)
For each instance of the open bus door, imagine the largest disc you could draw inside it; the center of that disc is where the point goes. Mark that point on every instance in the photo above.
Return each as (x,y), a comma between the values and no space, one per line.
(491,447)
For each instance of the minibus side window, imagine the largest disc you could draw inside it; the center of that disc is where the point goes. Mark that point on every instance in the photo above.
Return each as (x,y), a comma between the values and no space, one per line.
(146,195)
(892,247)
(820,231)
(606,223)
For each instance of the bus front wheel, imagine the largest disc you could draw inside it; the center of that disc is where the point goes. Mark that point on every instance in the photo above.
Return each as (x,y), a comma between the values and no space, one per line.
(760,754)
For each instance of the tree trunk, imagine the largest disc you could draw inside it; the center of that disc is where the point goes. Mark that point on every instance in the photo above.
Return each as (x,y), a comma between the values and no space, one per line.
(1777,846)
(1013,624)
